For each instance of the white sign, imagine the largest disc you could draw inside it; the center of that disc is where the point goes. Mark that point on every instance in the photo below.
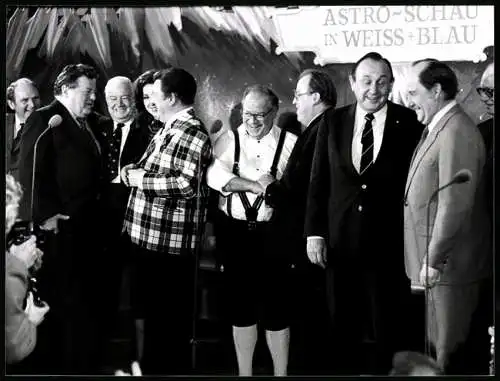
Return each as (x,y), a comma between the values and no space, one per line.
(400,33)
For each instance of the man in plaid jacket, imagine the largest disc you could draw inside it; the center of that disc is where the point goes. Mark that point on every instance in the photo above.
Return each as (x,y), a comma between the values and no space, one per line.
(164,217)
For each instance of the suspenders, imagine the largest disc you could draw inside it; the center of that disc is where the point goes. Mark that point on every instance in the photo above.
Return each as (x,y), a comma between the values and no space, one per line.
(251,211)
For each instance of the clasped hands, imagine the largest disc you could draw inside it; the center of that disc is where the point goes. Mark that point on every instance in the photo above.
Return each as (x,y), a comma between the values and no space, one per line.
(262,182)
(131,175)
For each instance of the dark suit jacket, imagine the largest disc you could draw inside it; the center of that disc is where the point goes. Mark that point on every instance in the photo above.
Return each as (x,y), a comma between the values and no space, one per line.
(336,191)
(68,169)
(134,148)
(486,129)
(10,121)
(288,196)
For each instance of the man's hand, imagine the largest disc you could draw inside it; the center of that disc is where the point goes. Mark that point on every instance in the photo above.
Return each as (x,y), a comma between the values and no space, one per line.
(135,177)
(257,188)
(433,274)
(124,173)
(35,314)
(265,180)
(316,251)
(52,223)
(38,260)
(26,251)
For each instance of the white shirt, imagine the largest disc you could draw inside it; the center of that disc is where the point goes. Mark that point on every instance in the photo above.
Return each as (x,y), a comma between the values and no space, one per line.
(378,124)
(437,116)
(256,159)
(125,131)
(17,125)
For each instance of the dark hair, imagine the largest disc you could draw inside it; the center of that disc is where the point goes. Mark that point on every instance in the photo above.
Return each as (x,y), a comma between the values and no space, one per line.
(179,82)
(321,83)
(438,72)
(264,90)
(372,56)
(70,74)
(11,90)
(146,78)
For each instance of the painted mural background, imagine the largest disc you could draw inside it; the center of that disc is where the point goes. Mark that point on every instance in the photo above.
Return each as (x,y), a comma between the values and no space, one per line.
(225,51)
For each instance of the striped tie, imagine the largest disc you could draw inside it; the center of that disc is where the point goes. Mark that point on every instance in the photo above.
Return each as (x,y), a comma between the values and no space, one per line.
(367,145)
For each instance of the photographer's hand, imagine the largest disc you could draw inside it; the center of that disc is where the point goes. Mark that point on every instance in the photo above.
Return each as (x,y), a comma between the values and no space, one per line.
(26,251)
(35,314)
(52,223)
(38,260)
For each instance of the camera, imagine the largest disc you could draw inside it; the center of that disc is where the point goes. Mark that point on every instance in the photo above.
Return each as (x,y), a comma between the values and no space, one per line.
(20,232)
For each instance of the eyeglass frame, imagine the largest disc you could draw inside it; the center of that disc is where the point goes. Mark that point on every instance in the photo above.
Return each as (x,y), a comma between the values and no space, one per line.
(260,116)
(486,92)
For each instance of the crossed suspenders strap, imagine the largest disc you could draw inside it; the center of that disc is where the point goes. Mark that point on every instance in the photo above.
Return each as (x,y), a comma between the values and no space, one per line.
(251,211)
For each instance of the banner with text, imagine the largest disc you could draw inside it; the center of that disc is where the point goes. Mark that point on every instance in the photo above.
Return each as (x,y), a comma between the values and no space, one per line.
(400,33)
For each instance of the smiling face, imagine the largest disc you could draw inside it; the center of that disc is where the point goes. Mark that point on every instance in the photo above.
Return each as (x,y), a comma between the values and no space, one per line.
(487,87)
(26,100)
(425,102)
(80,98)
(258,114)
(120,101)
(372,84)
(147,98)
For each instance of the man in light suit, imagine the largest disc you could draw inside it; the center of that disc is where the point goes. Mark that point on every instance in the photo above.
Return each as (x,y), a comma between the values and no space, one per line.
(66,200)
(123,141)
(354,211)
(456,261)
(22,98)
(163,219)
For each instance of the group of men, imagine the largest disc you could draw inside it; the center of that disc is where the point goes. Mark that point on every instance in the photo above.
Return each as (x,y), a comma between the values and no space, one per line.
(351,200)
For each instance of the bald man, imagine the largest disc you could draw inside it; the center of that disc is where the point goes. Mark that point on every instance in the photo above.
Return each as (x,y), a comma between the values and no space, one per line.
(123,141)
(22,98)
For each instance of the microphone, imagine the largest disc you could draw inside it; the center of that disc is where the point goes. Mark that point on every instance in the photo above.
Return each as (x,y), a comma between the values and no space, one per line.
(461,177)
(54,121)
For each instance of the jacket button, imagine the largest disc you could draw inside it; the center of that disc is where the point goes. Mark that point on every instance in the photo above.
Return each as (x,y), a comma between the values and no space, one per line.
(363,186)
(360,208)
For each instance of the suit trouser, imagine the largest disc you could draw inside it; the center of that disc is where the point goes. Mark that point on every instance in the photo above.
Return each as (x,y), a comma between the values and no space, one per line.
(450,310)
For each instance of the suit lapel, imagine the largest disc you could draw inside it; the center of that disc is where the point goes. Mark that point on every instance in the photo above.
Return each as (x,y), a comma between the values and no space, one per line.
(347,128)
(427,144)
(78,134)
(392,122)
(10,123)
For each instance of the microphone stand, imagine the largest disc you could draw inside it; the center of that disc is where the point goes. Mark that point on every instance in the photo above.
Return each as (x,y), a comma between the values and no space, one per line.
(194,325)
(427,288)
(35,150)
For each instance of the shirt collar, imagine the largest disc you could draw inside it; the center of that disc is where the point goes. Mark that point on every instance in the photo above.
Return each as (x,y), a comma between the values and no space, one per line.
(318,115)
(125,124)
(63,102)
(17,125)
(273,133)
(378,115)
(437,116)
(178,115)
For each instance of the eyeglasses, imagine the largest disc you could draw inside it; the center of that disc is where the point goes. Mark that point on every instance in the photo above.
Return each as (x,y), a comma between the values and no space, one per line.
(486,92)
(260,116)
(123,98)
(298,95)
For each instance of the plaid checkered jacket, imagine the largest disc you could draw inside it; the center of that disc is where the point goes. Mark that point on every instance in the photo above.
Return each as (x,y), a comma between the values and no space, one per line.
(162,213)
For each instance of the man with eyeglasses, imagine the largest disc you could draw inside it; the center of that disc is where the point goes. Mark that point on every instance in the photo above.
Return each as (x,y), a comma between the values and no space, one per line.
(477,355)
(66,201)
(314,98)
(255,272)
(354,219)
(123,141)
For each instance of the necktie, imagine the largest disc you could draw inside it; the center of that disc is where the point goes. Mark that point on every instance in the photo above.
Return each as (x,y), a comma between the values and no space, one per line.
(366,144)
(114,151)
(17,138)
(422,138)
